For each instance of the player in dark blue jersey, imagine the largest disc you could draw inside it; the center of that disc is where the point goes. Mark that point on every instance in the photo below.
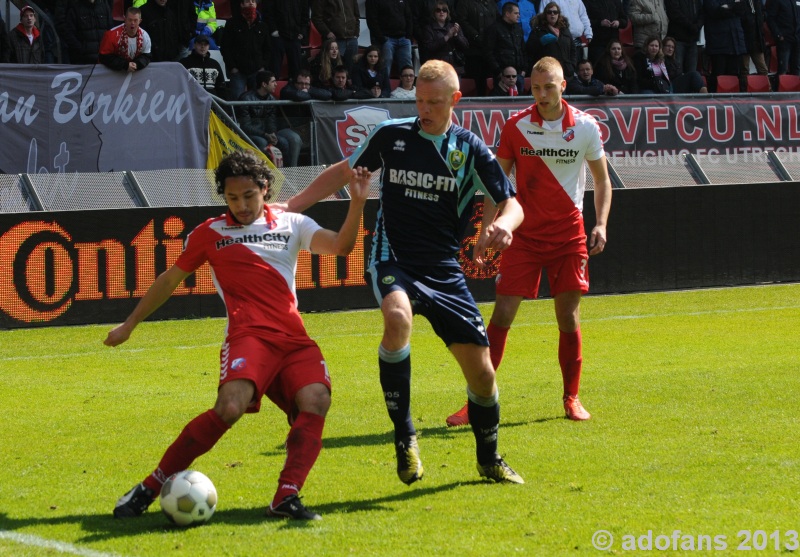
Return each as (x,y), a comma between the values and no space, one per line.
(430,172)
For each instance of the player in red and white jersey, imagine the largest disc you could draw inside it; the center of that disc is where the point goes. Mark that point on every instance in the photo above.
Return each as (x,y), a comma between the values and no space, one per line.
(546,145)
(252,251)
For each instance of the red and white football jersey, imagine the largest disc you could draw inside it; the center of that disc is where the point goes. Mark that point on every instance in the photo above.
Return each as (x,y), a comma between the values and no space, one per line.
(253,268)
(549,159)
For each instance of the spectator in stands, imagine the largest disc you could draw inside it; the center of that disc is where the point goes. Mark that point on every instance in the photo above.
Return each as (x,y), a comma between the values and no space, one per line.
(391,27)
(300,89)
(651,69)
(441,39)
(340,88)
(505,45)
(406,89)
(161,23)
(85,24)
(682,82)
(685,23)
(574,11)
(288,24)
(606,18)
(339,20)
(246,48)
(322,66)
(204,68)
(584,83)
(5,45)
(724,36)
(260,123)
(649,19)
(783,18)
(475,17)
(527,11)
(126,47)
(754,41)
(506,86)
(551,37)
(206,22)
(369,71)
(424,14)
(25,41)
(616,67)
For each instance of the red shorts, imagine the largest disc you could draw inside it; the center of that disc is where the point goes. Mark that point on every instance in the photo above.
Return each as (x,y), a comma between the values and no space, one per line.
(521,271)
(276,371)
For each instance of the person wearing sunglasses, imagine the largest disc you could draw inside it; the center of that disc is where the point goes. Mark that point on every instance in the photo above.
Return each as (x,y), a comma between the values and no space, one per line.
(442,39)
(505,45)
(551,37)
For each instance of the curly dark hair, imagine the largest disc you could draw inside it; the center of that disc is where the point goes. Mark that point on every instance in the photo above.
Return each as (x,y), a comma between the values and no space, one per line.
(243,163)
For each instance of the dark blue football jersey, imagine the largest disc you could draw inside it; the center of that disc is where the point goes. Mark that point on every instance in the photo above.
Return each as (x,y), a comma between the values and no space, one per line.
(428,185)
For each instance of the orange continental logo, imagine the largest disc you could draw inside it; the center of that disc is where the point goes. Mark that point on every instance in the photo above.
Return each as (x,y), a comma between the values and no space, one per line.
(44,272)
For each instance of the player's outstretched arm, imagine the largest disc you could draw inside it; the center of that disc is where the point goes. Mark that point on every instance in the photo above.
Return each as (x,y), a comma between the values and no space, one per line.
(342,242)
(158,293)
(602,204)
(331,180)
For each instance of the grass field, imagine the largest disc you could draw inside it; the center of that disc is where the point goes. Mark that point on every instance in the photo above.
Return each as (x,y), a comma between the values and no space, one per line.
(694,429)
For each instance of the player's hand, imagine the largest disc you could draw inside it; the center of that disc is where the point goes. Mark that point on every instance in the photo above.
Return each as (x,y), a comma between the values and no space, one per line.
(597,240)
(118,335)
(360,178)
(496,238)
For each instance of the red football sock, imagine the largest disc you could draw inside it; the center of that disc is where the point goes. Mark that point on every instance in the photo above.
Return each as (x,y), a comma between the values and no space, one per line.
(196,439)
(497,343)
(303,446)
(570,359)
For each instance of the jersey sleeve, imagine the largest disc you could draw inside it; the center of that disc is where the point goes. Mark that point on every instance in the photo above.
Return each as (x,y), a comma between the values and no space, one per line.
(194,253)
(505,150)
(594,149)
(368,154)
(493,181)
(306,228)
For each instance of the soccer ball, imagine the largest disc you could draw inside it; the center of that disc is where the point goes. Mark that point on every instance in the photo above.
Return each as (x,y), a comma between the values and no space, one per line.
(188,498)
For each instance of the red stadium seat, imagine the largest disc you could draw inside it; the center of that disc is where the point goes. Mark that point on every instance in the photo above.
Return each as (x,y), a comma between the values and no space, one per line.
(489,85)
(280,85)
(728,84)
(788,83)
(626,34)
(223,9)
(118,10)
(468,87)
(758,84)
(527,90)
(394,83)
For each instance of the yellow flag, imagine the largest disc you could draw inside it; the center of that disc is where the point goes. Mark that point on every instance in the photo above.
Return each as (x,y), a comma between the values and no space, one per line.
(222,140)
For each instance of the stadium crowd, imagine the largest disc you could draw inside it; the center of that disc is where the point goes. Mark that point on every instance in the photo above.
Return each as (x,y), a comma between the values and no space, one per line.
(310,47)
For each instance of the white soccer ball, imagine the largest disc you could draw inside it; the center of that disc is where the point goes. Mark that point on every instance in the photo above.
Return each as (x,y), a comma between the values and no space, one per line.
(188,498)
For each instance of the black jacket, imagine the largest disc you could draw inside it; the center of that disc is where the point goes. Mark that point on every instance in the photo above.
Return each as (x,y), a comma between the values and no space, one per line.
(435,45)
(389,18)
(577,86)
(362,81)
(685,19)
(341,17)
(505,46)
(783,18)
(161,23)
(83,31)
(246,47)
(257,119)
(288,17)
(475,17)
(612,10)
(562,49)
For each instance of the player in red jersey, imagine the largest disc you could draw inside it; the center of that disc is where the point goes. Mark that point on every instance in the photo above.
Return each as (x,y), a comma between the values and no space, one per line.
(252,250)
(547,144)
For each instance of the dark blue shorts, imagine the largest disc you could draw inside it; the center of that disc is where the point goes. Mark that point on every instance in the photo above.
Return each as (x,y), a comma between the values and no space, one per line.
(439,294)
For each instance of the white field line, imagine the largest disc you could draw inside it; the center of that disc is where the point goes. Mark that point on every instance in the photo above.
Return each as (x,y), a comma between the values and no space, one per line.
(61,547)
(318,336)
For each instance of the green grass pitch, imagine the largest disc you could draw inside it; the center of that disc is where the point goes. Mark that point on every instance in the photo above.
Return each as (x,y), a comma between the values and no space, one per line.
(694,431)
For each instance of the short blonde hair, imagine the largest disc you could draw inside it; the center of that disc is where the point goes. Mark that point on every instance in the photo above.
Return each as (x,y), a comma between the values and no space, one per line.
(548,64)
(439,70)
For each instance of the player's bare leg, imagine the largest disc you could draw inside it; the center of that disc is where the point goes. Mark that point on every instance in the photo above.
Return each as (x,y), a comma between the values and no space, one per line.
(505,310)
(484,410)
(394,360)
(567,307)
(303,445)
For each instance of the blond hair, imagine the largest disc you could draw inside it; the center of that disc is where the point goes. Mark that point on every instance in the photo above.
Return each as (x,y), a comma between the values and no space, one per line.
(548,64)
(439,70)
